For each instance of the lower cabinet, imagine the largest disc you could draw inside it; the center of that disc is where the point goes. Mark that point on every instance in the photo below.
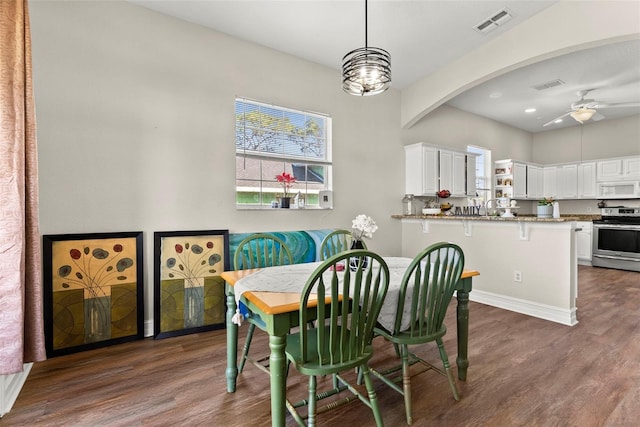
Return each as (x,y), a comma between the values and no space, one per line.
(584,241)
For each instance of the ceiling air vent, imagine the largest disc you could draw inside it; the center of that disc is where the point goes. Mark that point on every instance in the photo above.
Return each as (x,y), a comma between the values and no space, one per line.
(494,21)
(548,85)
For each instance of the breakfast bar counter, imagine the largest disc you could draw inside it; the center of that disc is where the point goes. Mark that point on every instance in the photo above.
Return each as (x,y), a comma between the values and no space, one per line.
(519,218)
(529,264)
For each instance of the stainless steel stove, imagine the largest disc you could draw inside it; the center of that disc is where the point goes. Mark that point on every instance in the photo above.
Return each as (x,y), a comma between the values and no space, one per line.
(616,239)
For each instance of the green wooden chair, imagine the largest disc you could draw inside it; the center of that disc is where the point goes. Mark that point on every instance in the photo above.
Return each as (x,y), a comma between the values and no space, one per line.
(336,242)
(258,251)
(343,341)
(425,293)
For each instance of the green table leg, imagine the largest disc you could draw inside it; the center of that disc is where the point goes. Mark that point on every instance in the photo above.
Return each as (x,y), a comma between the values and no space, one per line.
(277,370)
(232,342)
(463,327)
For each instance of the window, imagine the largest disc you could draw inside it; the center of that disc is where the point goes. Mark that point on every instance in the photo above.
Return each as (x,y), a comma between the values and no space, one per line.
(271,140)
(483,172)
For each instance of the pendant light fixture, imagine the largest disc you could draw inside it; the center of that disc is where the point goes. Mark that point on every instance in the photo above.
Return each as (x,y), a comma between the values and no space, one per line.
(367,70)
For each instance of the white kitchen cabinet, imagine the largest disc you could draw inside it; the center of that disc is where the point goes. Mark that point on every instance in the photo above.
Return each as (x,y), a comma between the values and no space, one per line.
(535,182)
(587,180)
(459,188)
(584,236)
(561,181)
(429,169)
(609,169)
(567,181)
(453,170)
(631,168)
(503,182)
(618,169)
(446,170)
(471,175)
(519,180)
(513,180)
(549,178)
(510,179)
(421,170)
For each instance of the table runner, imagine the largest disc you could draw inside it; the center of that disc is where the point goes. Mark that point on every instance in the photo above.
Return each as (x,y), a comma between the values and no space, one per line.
(292,278)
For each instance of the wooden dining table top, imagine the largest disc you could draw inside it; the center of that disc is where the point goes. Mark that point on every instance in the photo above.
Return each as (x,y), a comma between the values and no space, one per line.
(283,302)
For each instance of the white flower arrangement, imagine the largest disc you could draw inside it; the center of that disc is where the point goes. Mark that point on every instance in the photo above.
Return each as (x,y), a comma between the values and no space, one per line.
(363,226)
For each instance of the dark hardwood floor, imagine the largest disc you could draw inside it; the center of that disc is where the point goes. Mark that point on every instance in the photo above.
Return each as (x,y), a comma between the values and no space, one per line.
(523,372)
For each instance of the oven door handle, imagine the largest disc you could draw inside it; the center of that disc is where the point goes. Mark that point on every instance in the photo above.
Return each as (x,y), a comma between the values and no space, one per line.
(621,258)
(617,226)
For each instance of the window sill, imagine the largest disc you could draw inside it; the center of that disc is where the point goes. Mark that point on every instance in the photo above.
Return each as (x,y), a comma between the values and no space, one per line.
(269,208)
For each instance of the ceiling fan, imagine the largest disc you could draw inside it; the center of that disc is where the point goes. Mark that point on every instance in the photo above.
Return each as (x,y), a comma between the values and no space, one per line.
(585,109)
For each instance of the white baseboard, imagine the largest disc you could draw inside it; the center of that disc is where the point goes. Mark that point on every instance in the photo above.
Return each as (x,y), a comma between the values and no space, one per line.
(542,311)
(10,386)
(148,328)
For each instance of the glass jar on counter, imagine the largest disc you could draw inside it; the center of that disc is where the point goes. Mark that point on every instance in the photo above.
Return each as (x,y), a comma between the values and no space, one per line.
(408,204)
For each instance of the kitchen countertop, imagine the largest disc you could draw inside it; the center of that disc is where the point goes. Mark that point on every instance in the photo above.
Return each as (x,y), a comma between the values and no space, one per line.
(519,218)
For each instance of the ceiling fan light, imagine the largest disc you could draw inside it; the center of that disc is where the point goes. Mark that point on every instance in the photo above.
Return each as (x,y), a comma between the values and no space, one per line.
(581,115)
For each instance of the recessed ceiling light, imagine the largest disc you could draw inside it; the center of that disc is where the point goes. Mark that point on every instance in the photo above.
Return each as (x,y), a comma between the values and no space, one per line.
(495,95)
(530,110)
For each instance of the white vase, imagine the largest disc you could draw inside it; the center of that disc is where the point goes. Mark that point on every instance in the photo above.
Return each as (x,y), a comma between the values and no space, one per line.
(545,211)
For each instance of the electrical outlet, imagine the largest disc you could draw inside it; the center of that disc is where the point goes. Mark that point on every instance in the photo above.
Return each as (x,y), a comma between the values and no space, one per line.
(517,276)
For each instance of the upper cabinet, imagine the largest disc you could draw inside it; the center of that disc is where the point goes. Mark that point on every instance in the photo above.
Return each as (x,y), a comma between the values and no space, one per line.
(421,169)
(549,180)
(453,172)
(565,181)
(511,179)
(567,184)
(429,169)
(535,182)
(503,182)
(618,169)
(587,180)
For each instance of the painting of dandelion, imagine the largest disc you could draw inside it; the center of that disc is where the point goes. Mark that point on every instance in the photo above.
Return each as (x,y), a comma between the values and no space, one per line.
(93,290)
(188,290)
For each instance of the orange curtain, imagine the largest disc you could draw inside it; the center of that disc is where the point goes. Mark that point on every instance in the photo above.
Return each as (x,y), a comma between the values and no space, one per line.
(21,325)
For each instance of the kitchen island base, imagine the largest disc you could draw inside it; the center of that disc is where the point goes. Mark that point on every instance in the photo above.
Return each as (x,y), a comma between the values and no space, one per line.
(528,267)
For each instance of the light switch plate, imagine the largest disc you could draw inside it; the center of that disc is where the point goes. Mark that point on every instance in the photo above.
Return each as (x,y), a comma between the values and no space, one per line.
(325,199)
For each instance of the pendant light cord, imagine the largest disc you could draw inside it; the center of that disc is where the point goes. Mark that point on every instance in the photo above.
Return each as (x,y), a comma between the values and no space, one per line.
(366,44)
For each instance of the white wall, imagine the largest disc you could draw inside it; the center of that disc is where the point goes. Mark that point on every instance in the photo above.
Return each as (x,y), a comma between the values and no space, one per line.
(456,128)
(593,140)
(135,115)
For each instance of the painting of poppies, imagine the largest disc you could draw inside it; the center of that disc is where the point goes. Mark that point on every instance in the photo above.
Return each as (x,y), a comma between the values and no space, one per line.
(93,290)
(188,290)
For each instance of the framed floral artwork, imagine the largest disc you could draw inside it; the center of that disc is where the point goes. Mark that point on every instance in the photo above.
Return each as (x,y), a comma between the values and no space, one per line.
(188,290)
(93,290)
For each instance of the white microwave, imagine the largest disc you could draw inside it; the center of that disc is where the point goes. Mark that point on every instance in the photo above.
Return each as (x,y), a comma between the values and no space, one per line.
(619,190)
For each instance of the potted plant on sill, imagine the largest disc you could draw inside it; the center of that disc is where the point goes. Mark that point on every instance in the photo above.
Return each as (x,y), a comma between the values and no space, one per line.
(545,207)
(286,180)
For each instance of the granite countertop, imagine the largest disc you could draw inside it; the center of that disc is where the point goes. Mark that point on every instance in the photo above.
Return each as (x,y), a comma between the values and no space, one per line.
(519,218)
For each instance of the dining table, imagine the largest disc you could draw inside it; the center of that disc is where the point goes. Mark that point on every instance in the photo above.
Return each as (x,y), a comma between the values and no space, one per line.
(272,295)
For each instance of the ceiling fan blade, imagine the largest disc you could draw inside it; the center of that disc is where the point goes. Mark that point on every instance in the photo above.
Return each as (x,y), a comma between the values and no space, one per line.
(597,116)
(616,105)
(557,118)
